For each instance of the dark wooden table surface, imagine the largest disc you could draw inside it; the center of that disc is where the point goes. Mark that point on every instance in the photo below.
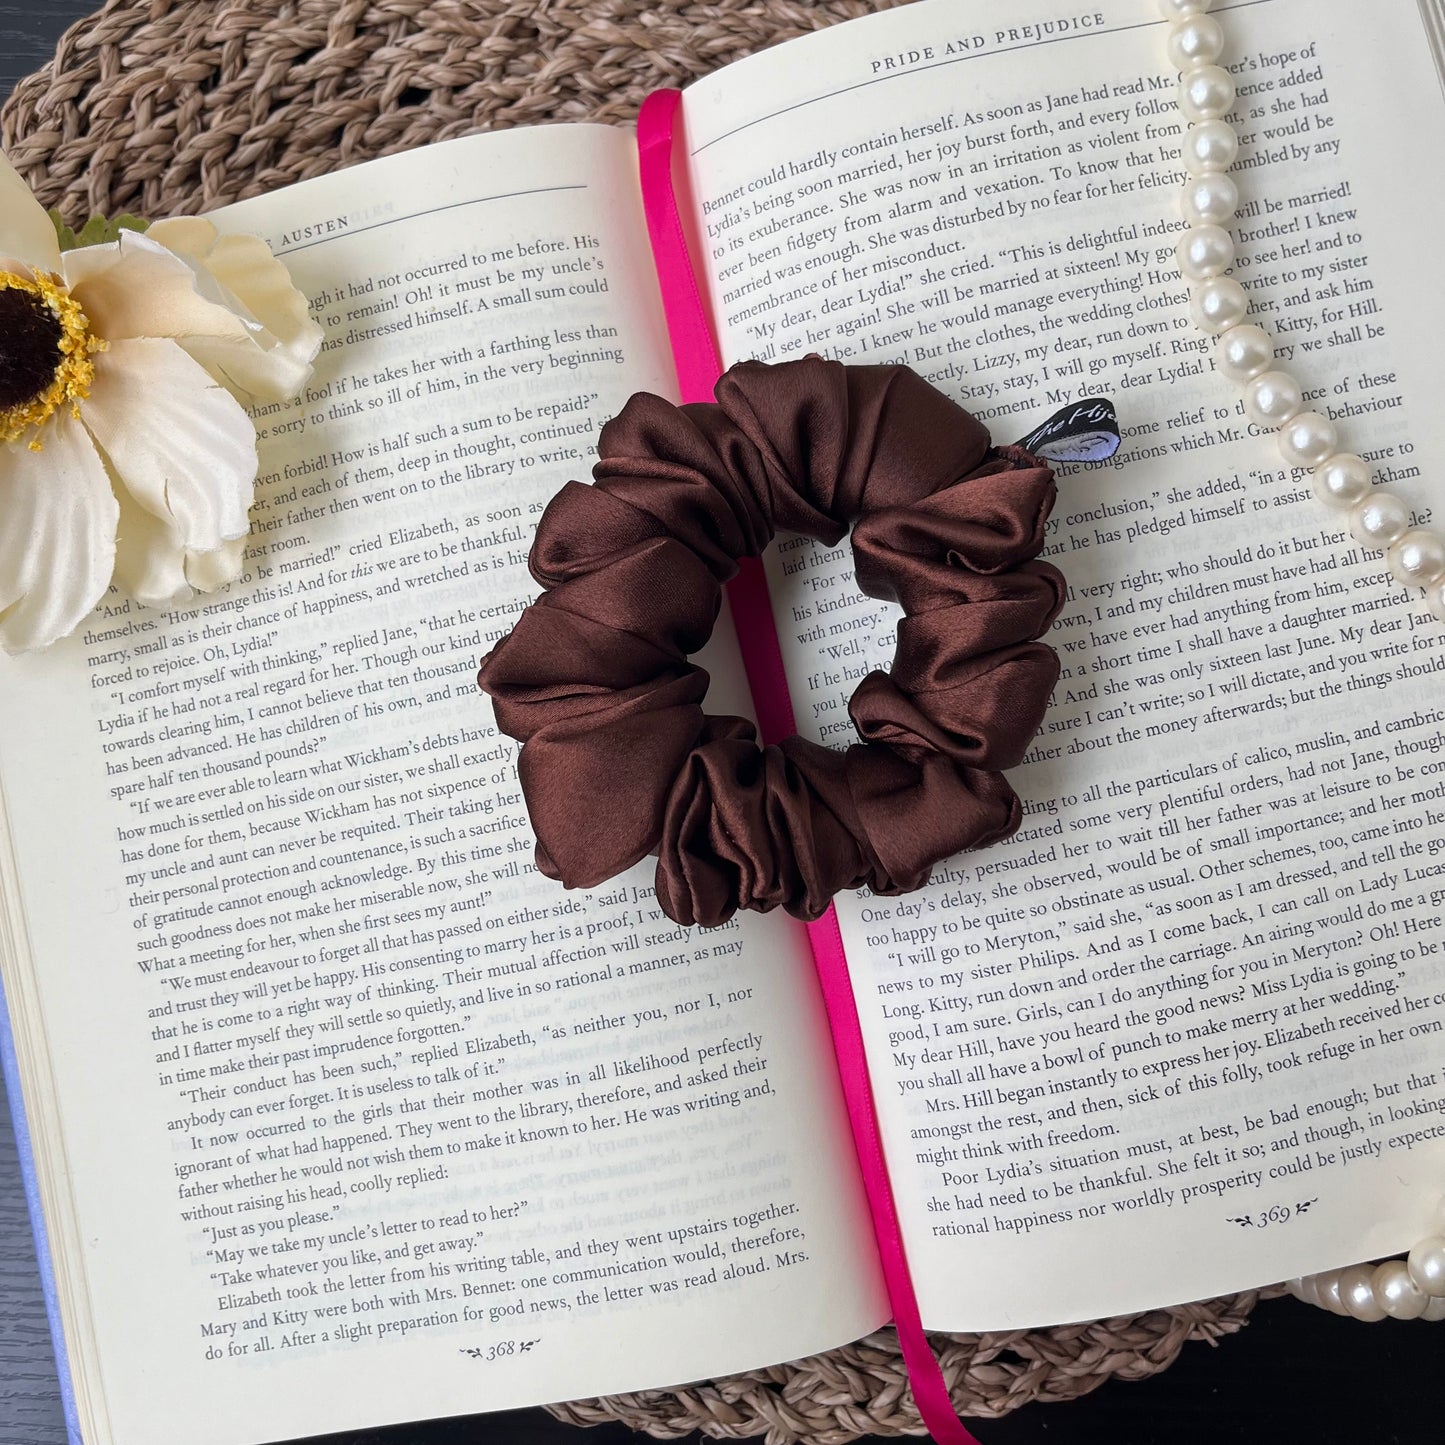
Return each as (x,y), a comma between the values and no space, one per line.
(1294,1376)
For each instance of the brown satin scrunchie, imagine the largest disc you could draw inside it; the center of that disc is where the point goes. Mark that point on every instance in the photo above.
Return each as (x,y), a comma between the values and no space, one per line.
(619,760)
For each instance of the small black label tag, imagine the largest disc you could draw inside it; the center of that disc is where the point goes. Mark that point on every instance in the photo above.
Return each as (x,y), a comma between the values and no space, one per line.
(1083,431)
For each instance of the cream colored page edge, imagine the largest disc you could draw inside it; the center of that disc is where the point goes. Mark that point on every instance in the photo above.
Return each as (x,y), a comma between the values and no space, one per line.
(47,1153)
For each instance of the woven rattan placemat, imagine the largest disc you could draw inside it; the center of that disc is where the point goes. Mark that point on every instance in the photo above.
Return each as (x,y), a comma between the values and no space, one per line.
(176,106)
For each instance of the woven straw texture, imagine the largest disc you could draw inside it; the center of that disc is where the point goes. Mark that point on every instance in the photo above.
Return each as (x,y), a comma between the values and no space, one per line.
(165,107)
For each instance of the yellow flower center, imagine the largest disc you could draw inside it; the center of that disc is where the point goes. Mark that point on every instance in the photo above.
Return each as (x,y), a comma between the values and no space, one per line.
(46,353)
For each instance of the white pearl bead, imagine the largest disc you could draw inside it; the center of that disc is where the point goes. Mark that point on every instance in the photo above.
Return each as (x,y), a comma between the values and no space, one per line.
(1217,303)
(1179,9)
(1427,1265)
(1205,251)
(1308,439)
(1342,480)
(1209,146)
(1400,1296)
(1435,1310)
(1328,1293)
(1375,522)
(1435,600)
(1418,558)
(1273,398)
(1206,93)
(1357,1291)
(1243,352)
(1209,200)
(1195,40)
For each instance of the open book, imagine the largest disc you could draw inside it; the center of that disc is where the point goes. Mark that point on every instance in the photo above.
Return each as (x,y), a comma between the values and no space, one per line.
(343,1115)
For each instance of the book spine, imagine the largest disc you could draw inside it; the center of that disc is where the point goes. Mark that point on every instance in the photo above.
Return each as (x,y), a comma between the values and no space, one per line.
(10,1068)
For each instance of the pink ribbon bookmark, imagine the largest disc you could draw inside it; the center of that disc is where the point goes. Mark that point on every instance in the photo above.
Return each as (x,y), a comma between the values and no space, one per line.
(698,369)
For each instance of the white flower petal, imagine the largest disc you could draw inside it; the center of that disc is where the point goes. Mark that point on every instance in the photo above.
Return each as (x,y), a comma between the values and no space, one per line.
(273,363)
(181,445)
(57,535)
(149,562)
(210,571)
(26,232)
(157,571)
(188,236)
(135,287)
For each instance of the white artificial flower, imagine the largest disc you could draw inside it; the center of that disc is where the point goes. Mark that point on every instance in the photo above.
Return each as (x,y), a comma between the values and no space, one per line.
(120,454)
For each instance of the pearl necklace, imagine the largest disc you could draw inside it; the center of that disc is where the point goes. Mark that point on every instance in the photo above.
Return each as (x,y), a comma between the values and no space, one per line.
(1378,519)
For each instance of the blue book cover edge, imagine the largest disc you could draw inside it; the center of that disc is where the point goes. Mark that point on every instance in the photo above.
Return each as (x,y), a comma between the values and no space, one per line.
(10,1066)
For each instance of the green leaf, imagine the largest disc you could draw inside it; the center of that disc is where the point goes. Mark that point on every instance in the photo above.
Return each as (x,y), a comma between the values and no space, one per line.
(97,231)
(63,233)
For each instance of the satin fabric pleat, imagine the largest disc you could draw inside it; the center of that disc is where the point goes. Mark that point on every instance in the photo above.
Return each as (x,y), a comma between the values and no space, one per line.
(620,762)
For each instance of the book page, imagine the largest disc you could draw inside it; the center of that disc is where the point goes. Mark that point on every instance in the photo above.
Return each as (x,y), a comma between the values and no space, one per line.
(1181,1035)
(365,1119)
